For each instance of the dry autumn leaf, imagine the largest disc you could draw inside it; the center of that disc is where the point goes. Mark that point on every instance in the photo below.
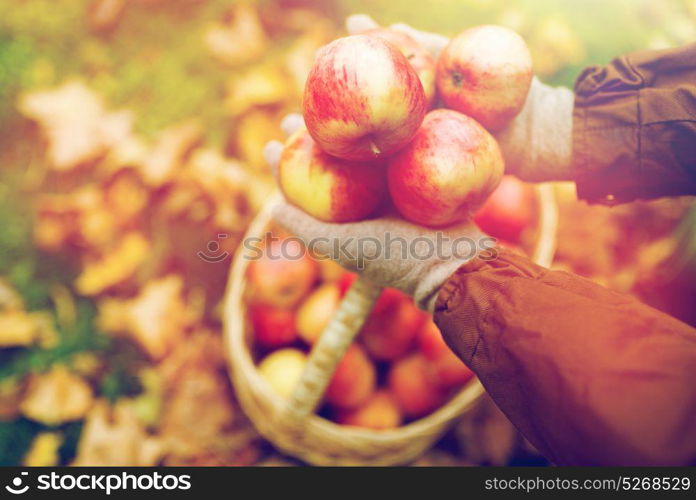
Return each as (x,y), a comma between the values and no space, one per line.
(161,161)
(157,318)
(75,122)
(240,40)
(200,422)
(114,267)
(261,85)
(56,396)
(17,328)
(43,451)
(114,436)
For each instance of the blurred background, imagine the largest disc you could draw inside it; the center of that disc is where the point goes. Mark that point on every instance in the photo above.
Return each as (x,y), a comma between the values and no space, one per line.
(131,136)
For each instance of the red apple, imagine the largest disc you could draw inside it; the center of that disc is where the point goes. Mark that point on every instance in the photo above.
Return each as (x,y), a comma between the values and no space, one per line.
(380,411)
(346,281)
(420,59)
(316,311)
(449,369)
(273,326)
(510,209)
(391,329)
(281,274)
(362,100)
(415,386)
(446,172)
(353,381)
(327,187)
(485,72)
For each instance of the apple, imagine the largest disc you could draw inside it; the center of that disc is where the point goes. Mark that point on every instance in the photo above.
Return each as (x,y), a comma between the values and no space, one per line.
(446,172)
(326,187)
(449,369)
(316,311)
(485,72)
(281,274)
(329,270)
(391,329)
(362,100)
(282,370)
(509,211)
(273,326)
(346,281)
(421,60)
(354,380)
(414,384)
(380,411)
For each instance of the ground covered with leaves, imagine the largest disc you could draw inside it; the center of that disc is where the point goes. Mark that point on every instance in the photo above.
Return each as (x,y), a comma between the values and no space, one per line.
(131,136)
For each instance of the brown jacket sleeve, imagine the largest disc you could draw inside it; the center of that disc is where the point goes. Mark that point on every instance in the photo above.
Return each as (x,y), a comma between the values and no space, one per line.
(634,127)
(588,375)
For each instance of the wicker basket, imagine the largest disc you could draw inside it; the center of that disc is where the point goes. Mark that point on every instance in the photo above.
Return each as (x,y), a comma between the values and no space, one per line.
(291,425)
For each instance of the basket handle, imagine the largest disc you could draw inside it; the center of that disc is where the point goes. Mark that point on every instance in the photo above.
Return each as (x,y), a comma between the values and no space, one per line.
(329,350)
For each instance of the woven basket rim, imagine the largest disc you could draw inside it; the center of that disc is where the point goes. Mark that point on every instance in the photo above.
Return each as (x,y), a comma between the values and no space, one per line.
(244,370)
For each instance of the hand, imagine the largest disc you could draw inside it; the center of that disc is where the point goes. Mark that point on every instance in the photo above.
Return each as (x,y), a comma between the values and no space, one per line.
(388,251)
(537,143)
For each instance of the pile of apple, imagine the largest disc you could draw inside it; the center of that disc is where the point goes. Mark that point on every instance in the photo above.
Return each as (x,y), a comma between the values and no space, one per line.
(373,139)
(372,136)
(399,368)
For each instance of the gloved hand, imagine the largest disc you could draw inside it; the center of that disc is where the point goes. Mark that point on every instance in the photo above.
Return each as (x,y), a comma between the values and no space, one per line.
(537,144)
(388,251)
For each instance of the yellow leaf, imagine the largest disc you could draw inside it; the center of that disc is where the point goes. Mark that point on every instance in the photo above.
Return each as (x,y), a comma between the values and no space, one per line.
(44,450)
(240,40)
(114,267)
(56,396)
(259,86)
(17,328)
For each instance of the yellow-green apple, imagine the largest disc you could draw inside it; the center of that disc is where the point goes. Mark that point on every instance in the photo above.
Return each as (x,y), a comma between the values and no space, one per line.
(329,270)
(446,172)
(509,210)
(353,381)
(421,60)
(282,370)
(392,327)
(414,384)
(380,411)
(282,274)
(362,100)
(327,187)
(449,369)
(273,326)
(485,72)
(316,311)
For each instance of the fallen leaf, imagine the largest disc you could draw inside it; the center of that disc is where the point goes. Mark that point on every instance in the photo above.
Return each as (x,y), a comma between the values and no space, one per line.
(17,328)
(261,85)
(56,396)
(239,40)
(158,317)
(114,436)
(43,451)
(75,122)
(161,162)
(114,267)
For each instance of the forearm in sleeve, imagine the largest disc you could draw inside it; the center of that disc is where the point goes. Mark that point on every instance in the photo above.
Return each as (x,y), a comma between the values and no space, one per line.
(634,127)
(588,375)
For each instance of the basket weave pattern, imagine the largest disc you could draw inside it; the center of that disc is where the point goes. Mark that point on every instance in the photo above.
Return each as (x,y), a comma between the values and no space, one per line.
(291,425)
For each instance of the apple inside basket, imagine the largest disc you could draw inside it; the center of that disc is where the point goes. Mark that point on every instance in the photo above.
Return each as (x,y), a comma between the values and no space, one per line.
(335,371)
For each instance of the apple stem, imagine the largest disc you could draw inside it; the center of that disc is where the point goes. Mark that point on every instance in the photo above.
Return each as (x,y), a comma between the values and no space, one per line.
(375,150)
